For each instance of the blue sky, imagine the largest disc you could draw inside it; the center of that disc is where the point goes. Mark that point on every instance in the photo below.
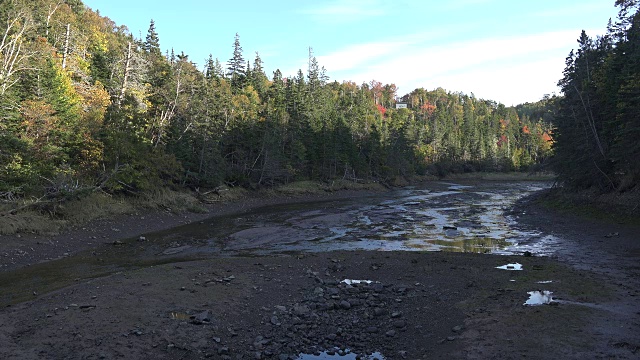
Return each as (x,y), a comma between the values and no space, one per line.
(509,51)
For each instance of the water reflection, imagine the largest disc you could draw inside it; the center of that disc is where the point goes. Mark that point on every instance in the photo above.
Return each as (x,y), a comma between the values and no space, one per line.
(444,217)
(539,298)
(515,266)
(340,354)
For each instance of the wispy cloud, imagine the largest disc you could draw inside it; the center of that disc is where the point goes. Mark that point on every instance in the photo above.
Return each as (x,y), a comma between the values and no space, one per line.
(574,11)
(484,66)
(352,57)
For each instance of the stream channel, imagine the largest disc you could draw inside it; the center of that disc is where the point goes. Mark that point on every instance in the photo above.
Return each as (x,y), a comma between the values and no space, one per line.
(435,216)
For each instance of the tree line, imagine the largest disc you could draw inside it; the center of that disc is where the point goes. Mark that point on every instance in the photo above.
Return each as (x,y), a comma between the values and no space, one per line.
(86,105)
(598,118)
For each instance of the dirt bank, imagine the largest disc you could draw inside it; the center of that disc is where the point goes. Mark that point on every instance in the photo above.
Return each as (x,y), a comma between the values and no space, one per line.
(21,250)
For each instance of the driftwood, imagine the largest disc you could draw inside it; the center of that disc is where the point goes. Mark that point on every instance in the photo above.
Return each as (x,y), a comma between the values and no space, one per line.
(217,190)
(58,193)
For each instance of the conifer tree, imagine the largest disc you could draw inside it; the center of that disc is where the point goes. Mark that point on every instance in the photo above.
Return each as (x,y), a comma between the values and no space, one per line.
(151,44)
(236,65)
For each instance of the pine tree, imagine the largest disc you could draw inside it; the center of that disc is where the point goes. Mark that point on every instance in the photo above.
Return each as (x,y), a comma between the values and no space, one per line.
(258,78)
(209,67)
(151,44)
(236,65)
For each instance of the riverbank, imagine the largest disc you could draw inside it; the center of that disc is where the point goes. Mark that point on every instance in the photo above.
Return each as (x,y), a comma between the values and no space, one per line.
(610,207)
(116,221)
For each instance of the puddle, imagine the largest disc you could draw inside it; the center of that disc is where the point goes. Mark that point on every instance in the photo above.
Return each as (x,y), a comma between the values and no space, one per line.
(539,298)
(340,354)
(179,316)
(515,266)
(351,282)
(545,282)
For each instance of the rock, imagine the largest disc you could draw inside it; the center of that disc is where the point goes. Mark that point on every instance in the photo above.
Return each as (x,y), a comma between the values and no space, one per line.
(390,333)
(142,238)
(399,323)
(274,320)
(451,338)
(216,339)
(527,254)
(396,314)
(175,250)
(378,311)
(372,329)
(281,308)
(204,316)
(223,351)
(345,305)
(301,309)
(331,337)
(457,328)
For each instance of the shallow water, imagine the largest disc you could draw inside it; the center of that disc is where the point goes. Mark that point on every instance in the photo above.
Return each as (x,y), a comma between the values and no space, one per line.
(539,298)
(511,267)
(437,216)
(340,355)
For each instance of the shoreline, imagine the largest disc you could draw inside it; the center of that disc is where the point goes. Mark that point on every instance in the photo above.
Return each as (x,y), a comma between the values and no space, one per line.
(24,249)
(20,250)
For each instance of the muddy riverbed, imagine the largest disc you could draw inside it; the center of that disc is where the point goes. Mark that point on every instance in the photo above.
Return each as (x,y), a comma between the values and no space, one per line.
(270,283)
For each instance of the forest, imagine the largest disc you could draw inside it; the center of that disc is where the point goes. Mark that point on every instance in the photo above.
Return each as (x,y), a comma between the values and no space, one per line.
(597,119)
(85,105)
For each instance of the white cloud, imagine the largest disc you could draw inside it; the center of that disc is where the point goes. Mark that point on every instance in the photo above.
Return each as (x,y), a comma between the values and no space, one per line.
(506,69)
(357,55)
(510,84)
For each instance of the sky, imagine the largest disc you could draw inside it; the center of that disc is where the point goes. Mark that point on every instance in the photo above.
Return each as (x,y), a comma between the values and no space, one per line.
(509,51)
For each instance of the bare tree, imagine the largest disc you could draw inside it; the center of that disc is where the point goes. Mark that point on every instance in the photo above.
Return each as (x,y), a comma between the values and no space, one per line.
(13,56)
(52,10)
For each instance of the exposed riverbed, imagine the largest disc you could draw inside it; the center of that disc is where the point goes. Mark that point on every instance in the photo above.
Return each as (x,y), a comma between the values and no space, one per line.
(270,283)
(437,216)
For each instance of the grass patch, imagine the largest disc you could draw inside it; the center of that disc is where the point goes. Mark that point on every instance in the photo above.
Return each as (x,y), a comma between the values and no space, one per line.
(616,207)
(51,219)
(301,188)
(170,200)
(30,221)
(316,187)
(94,206)
(337,185)
(503,176)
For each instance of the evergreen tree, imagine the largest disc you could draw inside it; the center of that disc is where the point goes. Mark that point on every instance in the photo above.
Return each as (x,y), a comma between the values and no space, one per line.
(151,45)
(258,78)
(236,65)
